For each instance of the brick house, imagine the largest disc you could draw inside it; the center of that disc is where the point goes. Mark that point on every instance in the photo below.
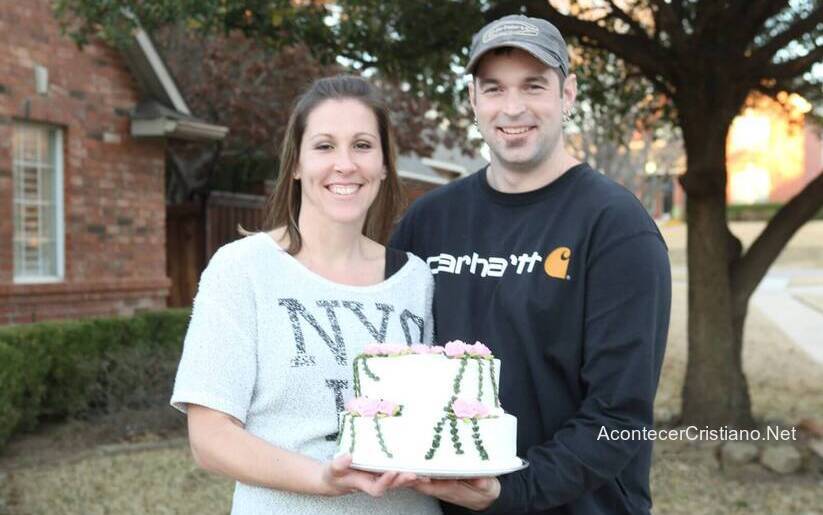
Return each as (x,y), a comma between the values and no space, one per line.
(82,170)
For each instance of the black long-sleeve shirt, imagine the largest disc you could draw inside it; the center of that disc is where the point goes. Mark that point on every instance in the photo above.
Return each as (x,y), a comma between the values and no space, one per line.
(570,286)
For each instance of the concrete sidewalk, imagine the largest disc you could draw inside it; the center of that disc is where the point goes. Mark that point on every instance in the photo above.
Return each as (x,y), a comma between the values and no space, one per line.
(792,299)
(781,298)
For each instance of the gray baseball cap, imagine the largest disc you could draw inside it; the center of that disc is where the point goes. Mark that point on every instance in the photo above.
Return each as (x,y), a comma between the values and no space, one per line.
(534,35)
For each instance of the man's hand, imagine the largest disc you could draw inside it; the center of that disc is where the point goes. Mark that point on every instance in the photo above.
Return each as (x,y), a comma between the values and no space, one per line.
(474,494)
(338,478)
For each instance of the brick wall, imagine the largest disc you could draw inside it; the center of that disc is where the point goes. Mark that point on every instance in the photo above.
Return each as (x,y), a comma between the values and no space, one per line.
(114,203)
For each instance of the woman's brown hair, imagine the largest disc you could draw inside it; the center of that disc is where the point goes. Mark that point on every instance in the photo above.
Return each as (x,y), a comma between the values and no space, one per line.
(284,204)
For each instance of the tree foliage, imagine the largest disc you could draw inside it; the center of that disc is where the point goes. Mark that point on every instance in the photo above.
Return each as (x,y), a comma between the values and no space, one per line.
(424,43)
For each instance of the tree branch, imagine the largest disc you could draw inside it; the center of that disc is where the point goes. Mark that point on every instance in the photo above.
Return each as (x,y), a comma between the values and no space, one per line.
(794,67)
(709,13)
(763,55)
(752,15)
(623,16)
(648,55)
(754,264)
(681,12)
(667,18)
(502,8)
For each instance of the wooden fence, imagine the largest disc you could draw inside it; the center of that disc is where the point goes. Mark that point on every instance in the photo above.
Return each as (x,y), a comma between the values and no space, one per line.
(194,232)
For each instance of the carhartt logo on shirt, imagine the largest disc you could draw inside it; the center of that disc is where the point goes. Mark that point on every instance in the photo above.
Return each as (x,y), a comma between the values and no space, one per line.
(556,263)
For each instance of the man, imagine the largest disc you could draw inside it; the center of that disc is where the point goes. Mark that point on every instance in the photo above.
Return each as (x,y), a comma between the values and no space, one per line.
(562,274)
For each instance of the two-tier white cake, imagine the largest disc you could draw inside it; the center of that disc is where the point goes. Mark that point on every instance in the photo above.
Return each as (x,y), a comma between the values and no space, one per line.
(428,408)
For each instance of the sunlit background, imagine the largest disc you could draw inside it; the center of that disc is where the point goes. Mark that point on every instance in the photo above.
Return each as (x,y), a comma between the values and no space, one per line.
(770,150)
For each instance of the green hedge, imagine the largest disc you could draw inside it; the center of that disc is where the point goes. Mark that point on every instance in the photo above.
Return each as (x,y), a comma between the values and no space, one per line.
(53,370)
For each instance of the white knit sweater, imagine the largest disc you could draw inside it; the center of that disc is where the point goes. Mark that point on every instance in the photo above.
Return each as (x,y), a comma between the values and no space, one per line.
(271,344)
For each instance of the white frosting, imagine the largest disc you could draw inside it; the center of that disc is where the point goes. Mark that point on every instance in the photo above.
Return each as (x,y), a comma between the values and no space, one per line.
(425,381)
(424,386)
(408,439)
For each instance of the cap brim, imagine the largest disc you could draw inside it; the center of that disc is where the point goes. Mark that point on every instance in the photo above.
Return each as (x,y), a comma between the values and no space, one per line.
(539,54)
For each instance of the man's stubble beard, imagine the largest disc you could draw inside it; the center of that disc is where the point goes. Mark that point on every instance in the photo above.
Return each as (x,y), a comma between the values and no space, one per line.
(540,157)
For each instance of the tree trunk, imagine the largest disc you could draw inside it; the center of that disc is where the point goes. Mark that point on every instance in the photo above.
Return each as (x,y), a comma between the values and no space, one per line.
(715,392)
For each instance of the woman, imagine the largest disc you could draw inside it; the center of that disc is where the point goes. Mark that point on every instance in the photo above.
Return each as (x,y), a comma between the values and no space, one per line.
(280,315)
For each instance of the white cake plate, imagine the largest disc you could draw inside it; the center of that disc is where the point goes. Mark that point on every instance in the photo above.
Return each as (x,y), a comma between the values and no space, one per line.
(436,473)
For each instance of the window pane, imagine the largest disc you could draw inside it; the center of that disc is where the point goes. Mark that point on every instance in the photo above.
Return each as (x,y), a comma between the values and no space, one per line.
(48,258)
(18,220)
(32,258)
(23,147)
(31,218)
(47,184)
(19,255)
(35,201)
(47,229)
(29,184)
(42,138)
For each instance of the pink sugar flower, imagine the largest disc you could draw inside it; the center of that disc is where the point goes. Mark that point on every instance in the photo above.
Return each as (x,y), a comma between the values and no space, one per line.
(436,349)
(363,406)
(393,349)
(464,408)
(468,408)
(478,349)
(482,410)
(456,349)
(419,348)
(353,405)
(369,409)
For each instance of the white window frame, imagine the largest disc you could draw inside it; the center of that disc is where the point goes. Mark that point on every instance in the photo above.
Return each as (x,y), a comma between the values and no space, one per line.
(55,135)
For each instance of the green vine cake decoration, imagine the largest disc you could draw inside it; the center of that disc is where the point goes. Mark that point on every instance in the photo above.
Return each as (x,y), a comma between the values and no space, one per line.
(372,408)
(468,410)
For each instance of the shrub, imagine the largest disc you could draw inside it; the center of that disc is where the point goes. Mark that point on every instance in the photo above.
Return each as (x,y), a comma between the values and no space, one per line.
(13,386)
(80,368)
